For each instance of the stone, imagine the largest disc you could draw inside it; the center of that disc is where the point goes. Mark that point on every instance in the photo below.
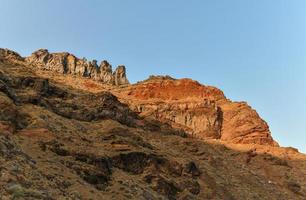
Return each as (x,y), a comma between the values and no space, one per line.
(6,54)
(66,63)
(192,168)
(201,111)
(106,74)
(163,186)
(120,76)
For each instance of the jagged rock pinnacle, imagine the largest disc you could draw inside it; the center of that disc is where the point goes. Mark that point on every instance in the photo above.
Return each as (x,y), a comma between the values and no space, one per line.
(66,63)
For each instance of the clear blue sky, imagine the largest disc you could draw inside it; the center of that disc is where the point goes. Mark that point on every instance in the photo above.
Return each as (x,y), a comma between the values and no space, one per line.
(254,50)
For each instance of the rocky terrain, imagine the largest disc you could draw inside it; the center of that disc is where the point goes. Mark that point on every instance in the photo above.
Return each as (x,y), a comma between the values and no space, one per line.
(202,111)
(66,63)
(70,129)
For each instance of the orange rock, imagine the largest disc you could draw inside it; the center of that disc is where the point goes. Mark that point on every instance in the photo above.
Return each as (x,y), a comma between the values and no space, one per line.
(202,111)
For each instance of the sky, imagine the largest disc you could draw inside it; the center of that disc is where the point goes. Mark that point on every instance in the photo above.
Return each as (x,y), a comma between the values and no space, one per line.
(254,50)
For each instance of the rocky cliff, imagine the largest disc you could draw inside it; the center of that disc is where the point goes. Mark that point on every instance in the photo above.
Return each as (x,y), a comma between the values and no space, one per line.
(66,63)
(201,111)
(65,136)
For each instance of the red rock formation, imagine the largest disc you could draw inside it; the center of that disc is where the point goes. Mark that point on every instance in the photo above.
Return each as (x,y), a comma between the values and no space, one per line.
(202,111)
(167,88)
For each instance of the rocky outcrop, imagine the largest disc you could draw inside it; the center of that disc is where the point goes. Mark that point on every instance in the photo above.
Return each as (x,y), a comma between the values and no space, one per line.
(242,124)
(66,63)
(165,88)
(202,111)
(6,54)
(120,76)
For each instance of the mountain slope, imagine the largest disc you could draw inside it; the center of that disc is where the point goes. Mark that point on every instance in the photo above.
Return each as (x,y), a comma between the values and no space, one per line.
(202,111)
(64,136)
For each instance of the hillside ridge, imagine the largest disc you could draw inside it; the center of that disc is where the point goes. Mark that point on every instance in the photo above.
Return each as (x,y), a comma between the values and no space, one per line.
(201,111)
(65,136)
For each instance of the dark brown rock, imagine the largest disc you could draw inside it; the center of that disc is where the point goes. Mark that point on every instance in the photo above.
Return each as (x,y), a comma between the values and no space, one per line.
(191,168)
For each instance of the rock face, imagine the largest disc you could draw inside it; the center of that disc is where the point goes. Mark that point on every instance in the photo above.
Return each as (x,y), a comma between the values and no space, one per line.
(242,124)
(66,63)
(6,54)
(120,76)
(201,111)
(202,120)
(59,141)
(38,91)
